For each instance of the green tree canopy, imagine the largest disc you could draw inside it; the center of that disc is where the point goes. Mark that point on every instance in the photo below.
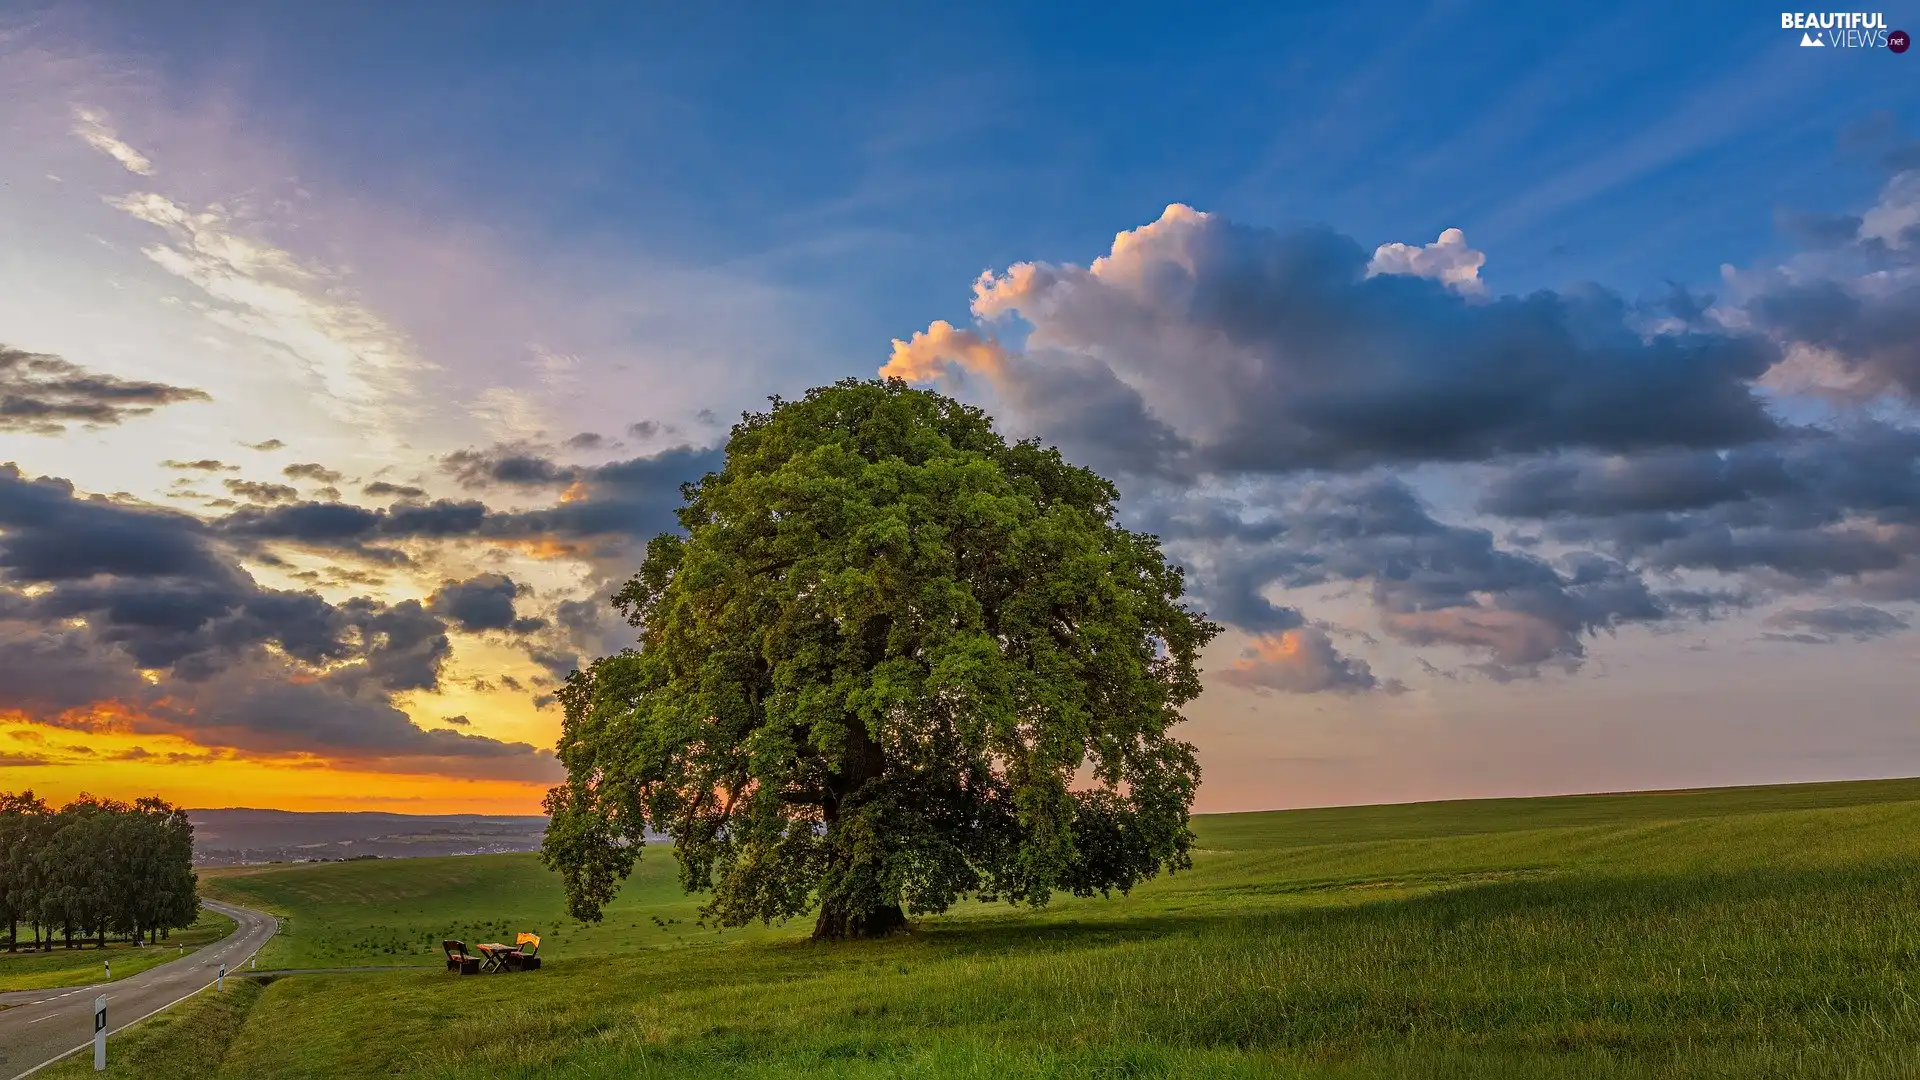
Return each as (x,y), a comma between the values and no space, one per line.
(95,867)
(894,661)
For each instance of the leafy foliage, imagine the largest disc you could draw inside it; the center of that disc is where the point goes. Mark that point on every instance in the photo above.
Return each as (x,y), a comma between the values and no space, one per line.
(95,867)
(895,660)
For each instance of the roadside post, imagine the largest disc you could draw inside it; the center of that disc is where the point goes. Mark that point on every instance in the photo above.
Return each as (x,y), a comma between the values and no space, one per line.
(221,984)
(100,1033)
(109,964)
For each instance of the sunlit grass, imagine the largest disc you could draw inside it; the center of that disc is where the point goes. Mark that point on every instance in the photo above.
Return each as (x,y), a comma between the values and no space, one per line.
(1762,933)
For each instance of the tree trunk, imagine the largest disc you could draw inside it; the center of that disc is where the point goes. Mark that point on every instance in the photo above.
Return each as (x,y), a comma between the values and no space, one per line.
(838,923)
(850,903)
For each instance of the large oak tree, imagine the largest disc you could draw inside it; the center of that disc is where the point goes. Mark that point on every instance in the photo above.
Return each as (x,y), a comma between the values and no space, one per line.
(895,660)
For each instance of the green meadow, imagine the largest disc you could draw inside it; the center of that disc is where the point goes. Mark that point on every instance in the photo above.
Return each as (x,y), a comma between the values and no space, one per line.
(1760,932)
(28,970)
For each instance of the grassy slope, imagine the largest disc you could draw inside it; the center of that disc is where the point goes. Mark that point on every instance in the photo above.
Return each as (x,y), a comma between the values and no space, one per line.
(71,967)
(187,1042)
(1757,932)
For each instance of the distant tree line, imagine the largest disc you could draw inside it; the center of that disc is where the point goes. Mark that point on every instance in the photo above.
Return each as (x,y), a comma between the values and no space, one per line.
(95,868)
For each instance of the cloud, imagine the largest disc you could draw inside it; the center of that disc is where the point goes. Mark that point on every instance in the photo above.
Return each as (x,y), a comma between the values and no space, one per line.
(202,465)
(508,466)
(929,351)
(1428,582)
(458,720)
(301,313)
(1447,260)
(121,614)
(1824,625)
(1300,661)
(1222,349)
(380,489)
(258,492)
(1815,507)
(586,440)
(92,127)
(1849,320)
(265,447)
(483,603)
(310,470)
(42,394)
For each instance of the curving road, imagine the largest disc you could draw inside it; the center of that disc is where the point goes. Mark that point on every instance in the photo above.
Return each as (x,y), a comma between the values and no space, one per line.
(40,1025)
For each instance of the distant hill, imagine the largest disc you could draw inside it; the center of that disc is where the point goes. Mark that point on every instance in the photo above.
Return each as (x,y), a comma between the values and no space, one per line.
(231,836)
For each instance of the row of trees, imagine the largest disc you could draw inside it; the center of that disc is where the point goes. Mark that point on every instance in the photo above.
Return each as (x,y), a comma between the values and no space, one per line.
(95,868)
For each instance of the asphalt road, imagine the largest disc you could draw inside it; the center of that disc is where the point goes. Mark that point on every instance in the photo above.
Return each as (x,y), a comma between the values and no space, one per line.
(40,1025)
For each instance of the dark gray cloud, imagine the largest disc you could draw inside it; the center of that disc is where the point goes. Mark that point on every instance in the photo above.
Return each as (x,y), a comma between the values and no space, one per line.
(1655,482)
(485,602)
(612,509)
(311,470)
(42,394)
(380,489)
(1427,582)
(1827,624)
(256,491)
(1816,507)
(267,446)
(202,465)
(559,663)
(47,534)
(586,440)
(1874,336)
(1850,315)
(507,466)
(108,601)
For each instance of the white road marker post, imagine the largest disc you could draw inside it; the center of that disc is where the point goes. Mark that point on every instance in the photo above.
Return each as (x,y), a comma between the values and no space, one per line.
(221,985)
(100,1033)
(109,964)
(253,962)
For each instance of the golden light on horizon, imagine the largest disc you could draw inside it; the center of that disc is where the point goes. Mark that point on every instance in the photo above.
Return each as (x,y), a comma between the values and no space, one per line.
(59,763)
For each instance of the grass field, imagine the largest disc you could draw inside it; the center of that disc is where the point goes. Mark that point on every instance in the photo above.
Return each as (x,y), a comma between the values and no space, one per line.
(396,911)
(1768,932)
(26,970)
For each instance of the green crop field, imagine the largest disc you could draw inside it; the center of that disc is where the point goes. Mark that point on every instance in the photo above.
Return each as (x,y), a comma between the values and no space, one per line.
(27,970)
(1765,932)
(396,911)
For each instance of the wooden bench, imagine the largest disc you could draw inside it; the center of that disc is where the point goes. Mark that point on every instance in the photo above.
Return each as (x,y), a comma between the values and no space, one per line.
(460,959)
(526,953)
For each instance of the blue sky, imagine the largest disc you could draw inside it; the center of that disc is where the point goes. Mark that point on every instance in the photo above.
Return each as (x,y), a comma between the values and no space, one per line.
(887,153)
(421,246)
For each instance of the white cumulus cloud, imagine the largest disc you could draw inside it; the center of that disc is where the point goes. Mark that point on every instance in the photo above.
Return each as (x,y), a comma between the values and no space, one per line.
(1447,260)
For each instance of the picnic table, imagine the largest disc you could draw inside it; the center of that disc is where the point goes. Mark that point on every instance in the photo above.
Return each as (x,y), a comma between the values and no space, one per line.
(495,956)
(522,955)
